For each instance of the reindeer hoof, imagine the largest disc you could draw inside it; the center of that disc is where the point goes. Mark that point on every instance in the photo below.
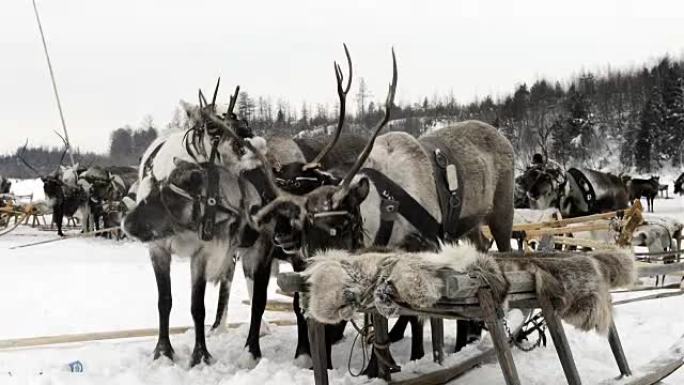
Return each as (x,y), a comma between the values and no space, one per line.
(163,349)
(200,355)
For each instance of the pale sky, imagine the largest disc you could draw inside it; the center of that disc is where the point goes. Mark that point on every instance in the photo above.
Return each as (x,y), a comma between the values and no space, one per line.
(119,60)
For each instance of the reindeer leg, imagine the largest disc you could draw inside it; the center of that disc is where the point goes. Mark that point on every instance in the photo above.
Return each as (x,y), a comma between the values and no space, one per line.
(261,277)
(417,349)
(199,285)
(397,332)
(303,350)
(57,217)
(224,296)
(161,263)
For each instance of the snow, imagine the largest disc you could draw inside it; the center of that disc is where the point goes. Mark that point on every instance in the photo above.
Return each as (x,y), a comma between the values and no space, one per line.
(89,285)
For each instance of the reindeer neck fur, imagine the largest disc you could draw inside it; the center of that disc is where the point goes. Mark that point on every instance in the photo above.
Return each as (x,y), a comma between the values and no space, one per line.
(402,159)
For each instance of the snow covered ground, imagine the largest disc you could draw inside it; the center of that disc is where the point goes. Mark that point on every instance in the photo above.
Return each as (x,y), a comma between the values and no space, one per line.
(90,285)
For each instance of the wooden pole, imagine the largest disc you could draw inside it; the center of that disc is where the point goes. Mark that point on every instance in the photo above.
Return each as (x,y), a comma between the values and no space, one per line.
(54,85)
(110,335)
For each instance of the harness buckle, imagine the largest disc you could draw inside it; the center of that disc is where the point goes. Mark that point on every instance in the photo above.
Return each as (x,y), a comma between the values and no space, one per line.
(389,209)
(440,159)
(454,201)
(211,201)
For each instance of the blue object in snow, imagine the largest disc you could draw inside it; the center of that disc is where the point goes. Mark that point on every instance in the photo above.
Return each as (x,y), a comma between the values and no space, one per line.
(76,366)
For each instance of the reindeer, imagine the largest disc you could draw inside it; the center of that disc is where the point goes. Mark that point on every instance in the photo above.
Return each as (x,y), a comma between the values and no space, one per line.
(5,185)
(356,212)
(575,192)
(188,203)
(106,189)
(62,190)
(647,188)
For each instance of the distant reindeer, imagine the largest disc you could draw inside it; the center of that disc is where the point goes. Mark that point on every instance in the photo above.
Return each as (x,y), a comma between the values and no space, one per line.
(63,193)
(678,184)
(647,188)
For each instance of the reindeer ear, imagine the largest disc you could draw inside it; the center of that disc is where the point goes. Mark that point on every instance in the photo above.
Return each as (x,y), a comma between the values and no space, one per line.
(359,191)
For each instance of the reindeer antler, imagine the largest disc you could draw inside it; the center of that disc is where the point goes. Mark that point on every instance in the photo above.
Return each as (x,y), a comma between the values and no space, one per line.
(389,102)
(19,155)
(342,93)
(66,148)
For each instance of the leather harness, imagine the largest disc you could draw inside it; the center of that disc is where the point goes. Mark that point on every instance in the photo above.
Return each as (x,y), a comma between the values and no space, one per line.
(585,187)
(397,201)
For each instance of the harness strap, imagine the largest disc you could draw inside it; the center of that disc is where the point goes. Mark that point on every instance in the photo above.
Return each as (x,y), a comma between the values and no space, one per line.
(448,183)
(585,187)
(208,226)
(396,201)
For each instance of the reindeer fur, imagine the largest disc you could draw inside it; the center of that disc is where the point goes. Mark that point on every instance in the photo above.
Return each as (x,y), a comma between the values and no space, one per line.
(578,285)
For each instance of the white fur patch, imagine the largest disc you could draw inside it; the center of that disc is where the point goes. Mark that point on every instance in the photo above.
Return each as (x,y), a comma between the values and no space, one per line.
(144,189)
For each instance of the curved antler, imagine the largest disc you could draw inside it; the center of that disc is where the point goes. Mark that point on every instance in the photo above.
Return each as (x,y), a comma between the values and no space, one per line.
(23,150)
(342,93)
(389,102)
(66,148)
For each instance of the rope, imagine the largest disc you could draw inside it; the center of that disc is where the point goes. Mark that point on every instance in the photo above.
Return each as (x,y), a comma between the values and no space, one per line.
(366,332)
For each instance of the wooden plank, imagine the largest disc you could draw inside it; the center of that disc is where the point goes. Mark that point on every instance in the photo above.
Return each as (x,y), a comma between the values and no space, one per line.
(319,354)
(649,297)
(279,306)
(291,282)
(649,269)
(493,316)
(560,341)
(579,242)
(437,330)
(618,352)
(111,335)
(443,376)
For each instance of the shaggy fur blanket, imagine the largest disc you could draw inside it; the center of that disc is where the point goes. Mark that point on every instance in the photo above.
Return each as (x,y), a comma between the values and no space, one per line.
(578,284)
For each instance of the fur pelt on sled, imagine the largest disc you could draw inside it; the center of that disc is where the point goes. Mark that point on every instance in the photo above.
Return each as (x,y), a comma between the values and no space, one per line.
(578,284)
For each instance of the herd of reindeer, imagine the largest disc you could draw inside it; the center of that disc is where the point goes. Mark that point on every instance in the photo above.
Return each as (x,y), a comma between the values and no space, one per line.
(217,191)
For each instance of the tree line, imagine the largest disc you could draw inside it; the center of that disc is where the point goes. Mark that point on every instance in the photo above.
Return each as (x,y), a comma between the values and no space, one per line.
(627,119)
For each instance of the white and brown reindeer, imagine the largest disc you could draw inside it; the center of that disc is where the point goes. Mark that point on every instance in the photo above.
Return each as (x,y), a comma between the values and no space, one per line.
(400,185)
(189,203)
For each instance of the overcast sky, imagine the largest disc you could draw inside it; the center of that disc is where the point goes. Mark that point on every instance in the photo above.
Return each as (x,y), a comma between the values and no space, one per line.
(117,61)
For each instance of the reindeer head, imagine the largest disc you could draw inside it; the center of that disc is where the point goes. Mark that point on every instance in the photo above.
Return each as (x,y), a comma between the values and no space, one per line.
(329,216)
(191,174)
(542,186)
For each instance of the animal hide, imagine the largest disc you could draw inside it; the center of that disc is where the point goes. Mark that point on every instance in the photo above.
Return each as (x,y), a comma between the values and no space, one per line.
(341,283)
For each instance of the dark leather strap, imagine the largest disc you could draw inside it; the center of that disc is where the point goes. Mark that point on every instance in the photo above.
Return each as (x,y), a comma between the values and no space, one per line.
(450,202)
(395,200)
(585,187)
(211,200)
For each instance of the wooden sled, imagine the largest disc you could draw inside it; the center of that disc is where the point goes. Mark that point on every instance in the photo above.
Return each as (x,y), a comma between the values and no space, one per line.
(464,297)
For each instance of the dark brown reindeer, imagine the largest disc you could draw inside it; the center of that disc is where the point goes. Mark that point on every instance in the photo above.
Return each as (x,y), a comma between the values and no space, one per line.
(575,192)
(647,188)
(64,196)
(398,197)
